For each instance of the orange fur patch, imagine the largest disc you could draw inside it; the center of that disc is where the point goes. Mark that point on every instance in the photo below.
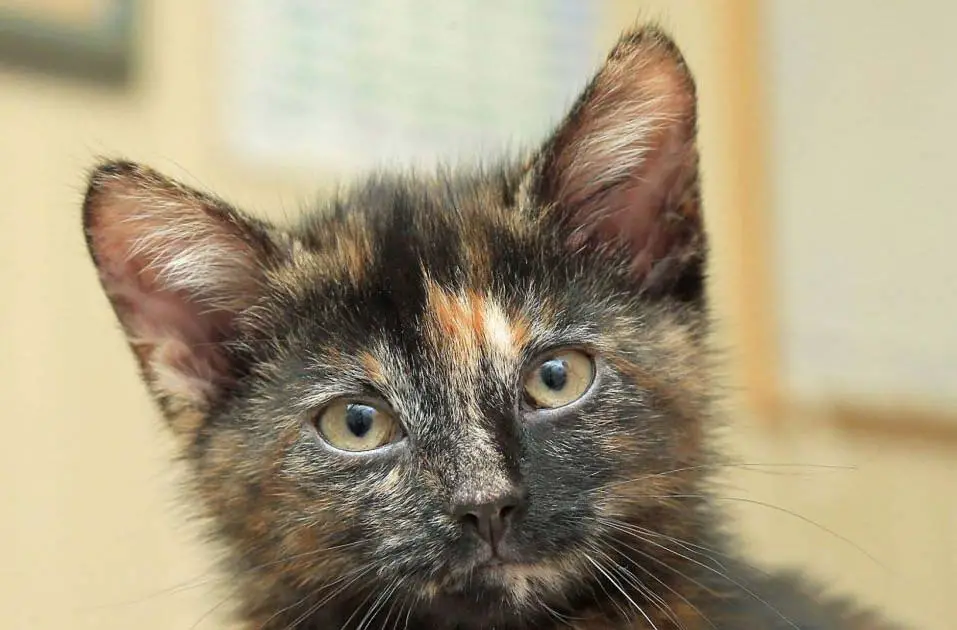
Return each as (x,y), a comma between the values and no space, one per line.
(373,367)
(463,323)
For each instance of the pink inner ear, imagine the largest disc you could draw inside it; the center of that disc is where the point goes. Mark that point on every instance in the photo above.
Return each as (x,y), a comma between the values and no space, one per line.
(645,210)
(170,330)
(177,268)
(624,164)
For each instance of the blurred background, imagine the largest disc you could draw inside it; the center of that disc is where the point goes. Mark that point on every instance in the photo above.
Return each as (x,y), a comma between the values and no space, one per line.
(827,134)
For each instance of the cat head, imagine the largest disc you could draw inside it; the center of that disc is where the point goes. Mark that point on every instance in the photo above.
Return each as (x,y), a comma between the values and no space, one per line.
(469,391)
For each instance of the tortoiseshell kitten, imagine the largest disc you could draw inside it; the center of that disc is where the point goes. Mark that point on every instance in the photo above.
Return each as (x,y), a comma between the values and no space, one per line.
(471,400)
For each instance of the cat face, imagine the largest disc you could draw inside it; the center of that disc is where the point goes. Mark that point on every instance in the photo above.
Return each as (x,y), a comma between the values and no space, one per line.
(461,394)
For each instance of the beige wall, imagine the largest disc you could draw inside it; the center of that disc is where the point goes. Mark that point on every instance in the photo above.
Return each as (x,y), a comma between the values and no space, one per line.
(91,534)
(861,112)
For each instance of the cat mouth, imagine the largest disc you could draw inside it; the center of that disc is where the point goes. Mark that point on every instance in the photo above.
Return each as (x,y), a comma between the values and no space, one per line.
(494,573)
(493,563)
(491,573)
(500,585)
(503,573)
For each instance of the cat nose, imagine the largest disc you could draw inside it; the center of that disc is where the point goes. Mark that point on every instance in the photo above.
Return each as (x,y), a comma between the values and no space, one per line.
(490,518)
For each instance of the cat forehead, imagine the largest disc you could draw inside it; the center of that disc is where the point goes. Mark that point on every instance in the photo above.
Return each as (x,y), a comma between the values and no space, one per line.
(457,272)
(444,225)
(455,232)
(467,324)
(466,341)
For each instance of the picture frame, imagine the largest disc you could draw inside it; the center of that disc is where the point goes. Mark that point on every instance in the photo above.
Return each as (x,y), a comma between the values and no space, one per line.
(90,40)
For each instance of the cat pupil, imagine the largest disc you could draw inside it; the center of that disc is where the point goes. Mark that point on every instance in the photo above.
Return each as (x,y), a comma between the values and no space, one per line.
(554,374)
(359,419)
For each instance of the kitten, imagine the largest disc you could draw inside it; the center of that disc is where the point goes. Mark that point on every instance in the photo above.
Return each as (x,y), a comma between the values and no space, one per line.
(469,400)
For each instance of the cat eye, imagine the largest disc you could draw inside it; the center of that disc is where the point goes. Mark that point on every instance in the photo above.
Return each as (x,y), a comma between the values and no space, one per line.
(560,379)
(357,426)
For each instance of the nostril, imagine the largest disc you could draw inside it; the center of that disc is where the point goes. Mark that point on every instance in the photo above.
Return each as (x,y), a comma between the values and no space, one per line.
(470,519)
(505,512)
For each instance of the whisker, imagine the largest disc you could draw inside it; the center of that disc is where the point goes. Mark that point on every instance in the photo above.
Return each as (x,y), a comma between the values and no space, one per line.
(646,591)
(212,610)
(313,608)
(370,611)
(716,572)
(638,566)
(554,614)
(624,614)
(615,583)
(377,604)
(694,548)
(661,562)
(690,547)
(406,601)
(329,597)
(388,615)
(752,467)
(408,614)
(208,577)
(232,592)
(783,510)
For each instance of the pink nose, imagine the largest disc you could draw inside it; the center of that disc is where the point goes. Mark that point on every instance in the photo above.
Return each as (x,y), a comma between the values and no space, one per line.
(489,519)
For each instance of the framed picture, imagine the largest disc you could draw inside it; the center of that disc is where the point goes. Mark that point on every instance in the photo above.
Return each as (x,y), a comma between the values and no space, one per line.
(85,39)
(342,85)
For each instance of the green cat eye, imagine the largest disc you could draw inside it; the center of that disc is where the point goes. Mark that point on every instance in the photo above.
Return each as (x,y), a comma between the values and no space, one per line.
(357,426)
(559,379)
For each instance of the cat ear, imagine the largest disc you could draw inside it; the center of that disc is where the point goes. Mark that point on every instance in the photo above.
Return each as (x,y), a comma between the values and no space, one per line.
(622,168)
(178,267)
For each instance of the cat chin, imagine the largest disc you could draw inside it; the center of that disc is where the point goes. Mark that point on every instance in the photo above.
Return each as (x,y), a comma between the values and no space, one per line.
(527,583)
(492,595)
(517,584)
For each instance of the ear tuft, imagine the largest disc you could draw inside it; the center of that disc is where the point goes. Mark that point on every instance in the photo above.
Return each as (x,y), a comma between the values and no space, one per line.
(622,168)
(178,266)
(176,237)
